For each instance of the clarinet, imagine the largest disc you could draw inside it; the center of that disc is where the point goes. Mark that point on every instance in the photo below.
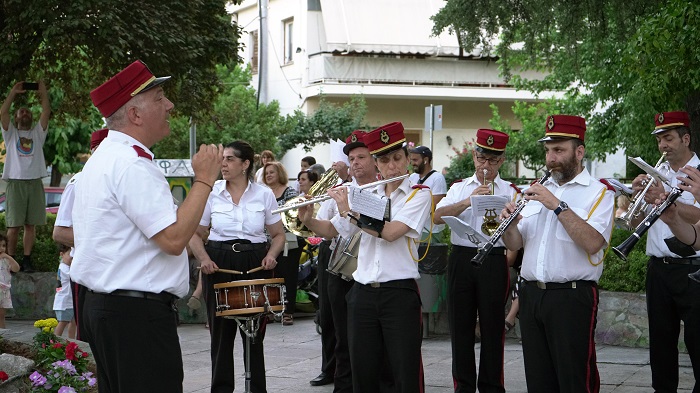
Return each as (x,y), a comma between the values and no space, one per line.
(626,247)
(486,248)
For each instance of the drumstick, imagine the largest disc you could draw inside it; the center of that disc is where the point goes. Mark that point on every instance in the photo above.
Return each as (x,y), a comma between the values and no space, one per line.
(257,269)
(225,271)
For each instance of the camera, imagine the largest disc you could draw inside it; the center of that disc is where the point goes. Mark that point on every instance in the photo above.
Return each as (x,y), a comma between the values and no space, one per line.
(30,86)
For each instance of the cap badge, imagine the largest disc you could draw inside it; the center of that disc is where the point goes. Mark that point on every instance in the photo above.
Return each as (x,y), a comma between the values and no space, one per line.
(353,138)
(550,122)
(384,136)
(661,118)
(489,141)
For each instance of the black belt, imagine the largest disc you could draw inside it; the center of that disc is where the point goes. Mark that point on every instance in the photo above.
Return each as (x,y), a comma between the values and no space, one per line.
(494,251)
(236,245)
(561,285)
(163,297)
(678,261)
(405,283)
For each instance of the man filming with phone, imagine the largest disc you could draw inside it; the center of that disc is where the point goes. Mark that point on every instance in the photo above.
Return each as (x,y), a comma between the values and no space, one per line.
(25,166)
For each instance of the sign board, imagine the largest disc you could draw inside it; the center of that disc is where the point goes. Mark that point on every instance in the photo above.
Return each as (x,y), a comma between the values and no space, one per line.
(437,117)
(175,168)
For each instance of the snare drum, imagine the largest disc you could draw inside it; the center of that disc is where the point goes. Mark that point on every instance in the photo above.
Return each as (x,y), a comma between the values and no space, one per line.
(343,262)
(250,297)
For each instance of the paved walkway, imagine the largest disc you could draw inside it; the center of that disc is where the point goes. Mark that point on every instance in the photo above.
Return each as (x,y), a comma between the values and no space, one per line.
(293,357)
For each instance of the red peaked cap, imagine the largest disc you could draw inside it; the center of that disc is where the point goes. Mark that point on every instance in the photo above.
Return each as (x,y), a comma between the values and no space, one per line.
(564,127)
(356,139)
(385,139)
(118,90)
(97,137)
(491,141)
(669,120)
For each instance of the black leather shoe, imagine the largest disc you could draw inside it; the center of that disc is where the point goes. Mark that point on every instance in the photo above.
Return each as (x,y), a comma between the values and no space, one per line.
(322,379)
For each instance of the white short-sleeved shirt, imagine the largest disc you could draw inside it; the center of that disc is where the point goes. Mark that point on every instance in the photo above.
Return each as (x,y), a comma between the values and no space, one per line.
(461,190)
(380,260)
(24,159)
(121,202)
(64,298)
(550,253)
(436,182)
(245,220)
(656,246)
(64,216)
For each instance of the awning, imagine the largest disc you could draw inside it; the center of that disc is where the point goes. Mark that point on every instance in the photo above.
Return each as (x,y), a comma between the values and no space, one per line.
(386,26)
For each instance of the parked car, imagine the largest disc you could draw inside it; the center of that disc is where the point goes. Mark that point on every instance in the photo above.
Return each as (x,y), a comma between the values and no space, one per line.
(53,199)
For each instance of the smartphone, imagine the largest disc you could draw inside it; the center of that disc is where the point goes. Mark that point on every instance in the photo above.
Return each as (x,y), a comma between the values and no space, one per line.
(30,86)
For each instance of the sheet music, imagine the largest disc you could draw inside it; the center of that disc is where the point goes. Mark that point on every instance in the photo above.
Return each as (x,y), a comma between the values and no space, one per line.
(493,203)
(638,161)
(464,230)
(368,203)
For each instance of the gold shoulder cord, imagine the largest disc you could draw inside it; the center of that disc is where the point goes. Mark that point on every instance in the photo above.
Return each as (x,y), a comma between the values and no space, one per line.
(600,199)
(430,234)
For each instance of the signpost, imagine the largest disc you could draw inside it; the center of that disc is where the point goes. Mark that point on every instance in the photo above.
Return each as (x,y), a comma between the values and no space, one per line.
(433,120)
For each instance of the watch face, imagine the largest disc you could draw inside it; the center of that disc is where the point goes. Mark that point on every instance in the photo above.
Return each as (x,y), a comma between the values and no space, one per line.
(563,206)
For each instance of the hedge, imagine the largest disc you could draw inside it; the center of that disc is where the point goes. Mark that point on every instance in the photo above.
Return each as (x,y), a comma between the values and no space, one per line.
(45,253)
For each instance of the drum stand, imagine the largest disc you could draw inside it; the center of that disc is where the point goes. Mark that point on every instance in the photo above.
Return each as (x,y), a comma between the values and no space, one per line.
(249,325)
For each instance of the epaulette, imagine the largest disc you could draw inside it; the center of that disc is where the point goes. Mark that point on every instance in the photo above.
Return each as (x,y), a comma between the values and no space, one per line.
(607,185)
(456,181)
(72,180)
(142,153)
(517,190)
(419,186)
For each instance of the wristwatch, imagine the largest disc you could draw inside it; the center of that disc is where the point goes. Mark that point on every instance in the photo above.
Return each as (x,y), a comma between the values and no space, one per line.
(562,206)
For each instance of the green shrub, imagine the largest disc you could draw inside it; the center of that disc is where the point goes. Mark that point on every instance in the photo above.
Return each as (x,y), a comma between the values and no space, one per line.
(621,276)
(45,252)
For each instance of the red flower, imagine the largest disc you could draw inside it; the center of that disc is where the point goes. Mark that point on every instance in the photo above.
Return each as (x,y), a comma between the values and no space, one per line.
(58,345)
(70,351)
(3,376)
(85,354)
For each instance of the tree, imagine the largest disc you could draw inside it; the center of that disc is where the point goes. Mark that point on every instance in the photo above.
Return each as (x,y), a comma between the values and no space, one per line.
(328,122)
(234,116)
(619,62)
(75,46)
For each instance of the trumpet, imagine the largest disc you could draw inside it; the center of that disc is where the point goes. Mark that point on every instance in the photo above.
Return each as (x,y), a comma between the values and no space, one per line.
(637,204)
(626,247)
(325,197)
(290,219)
(485,249)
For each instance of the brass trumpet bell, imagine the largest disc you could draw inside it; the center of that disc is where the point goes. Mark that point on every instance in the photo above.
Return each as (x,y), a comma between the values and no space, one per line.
(290,218)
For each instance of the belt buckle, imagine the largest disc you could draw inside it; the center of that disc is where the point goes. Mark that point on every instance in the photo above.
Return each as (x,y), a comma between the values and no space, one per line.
(233,247)
(664,260)
(541,285)
(375,284)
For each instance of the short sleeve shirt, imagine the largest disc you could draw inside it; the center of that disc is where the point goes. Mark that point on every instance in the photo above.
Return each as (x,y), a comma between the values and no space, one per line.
(121,202)
(436,182)
(24,159)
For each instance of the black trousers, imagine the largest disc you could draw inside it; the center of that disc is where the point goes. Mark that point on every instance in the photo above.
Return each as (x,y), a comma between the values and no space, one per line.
(288,268)
(78,293)
(328,341)
(558,332)
(223,330)
(385,322)
(135,344)
(671,298)
(471,291)
(337,290)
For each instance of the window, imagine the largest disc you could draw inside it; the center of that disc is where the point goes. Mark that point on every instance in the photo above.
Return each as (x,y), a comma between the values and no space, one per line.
(254,52)
(288,41)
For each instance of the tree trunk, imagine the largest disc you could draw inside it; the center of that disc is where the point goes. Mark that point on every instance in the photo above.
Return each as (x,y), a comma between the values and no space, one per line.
(56,176)
(692,102)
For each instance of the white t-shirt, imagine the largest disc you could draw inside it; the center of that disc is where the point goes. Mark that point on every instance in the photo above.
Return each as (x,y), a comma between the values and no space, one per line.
(436,182)
(25,153)
(121,202)
(64,298)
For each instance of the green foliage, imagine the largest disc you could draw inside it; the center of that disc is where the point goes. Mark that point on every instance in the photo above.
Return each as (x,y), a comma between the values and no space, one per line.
(461,164)
(328,122)
(618,62)
(45,252)
(234,116)
(625,276)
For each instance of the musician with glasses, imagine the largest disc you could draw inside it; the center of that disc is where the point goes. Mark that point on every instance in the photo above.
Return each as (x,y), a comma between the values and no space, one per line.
(671,296)
(477,290)
(564,230)
(384,310)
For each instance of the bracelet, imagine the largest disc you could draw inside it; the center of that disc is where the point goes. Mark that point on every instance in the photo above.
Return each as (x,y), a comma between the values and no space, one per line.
(203,182)
(344,214)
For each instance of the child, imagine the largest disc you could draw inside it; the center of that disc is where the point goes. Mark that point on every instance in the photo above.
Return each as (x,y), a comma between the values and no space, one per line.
(8,265)
(63,302)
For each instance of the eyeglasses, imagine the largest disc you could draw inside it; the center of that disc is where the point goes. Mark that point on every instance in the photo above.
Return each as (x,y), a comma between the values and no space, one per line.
(492,161)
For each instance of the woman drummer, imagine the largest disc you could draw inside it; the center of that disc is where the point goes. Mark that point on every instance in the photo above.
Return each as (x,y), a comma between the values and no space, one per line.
(238,211)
